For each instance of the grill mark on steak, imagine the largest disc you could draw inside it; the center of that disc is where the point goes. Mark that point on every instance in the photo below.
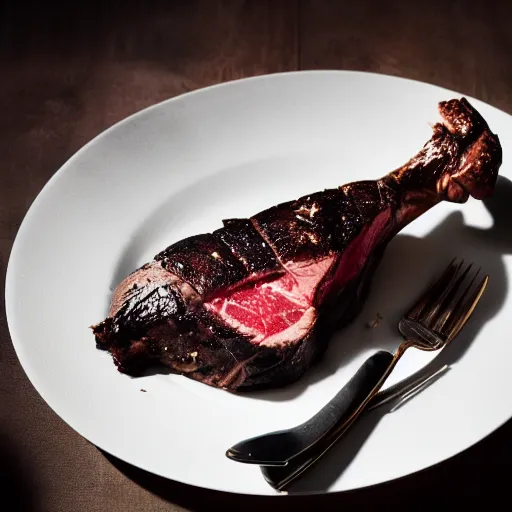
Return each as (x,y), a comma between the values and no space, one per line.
(247,244)
(311,226)
(205,262)
(253,304)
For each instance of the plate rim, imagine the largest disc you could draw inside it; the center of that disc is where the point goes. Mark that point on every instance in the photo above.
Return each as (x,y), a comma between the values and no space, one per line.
(10,286)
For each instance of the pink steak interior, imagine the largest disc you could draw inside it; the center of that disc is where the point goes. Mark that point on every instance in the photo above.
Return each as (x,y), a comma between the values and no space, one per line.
(275,311)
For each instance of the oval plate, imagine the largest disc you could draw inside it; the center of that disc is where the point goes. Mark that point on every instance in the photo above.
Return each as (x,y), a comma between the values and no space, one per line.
(180,167)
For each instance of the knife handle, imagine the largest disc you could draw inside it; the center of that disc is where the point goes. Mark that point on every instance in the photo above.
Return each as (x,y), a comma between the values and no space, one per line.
(277,448)
(348,401)
(280,476)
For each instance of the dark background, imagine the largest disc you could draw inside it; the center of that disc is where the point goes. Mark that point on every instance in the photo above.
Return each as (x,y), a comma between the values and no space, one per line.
(70,71)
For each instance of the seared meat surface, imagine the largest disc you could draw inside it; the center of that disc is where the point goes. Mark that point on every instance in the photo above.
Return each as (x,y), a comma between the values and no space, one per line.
(253,304)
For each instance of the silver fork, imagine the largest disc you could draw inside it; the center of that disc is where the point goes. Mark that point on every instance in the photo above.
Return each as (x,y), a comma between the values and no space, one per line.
(454,274)
(433,322)
(441,311)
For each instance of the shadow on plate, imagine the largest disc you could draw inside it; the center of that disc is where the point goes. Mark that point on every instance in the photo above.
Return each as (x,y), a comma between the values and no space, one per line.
(471,469)
(483,246)
(409,264)
(480,471)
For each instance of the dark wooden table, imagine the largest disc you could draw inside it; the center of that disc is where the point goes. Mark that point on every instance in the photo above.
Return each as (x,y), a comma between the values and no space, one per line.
(69,72)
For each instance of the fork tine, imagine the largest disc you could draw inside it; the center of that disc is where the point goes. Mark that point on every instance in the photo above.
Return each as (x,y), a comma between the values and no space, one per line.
(439,302)
(447,285)
(457,306)
(465,310)
(451,301)
(430,295)
(443,308)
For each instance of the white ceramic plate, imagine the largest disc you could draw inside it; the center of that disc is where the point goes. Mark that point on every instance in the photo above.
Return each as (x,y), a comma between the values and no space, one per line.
(177,169)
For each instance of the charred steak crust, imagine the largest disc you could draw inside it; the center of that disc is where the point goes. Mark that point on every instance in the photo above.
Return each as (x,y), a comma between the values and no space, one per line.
(155,324)
(253,304)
